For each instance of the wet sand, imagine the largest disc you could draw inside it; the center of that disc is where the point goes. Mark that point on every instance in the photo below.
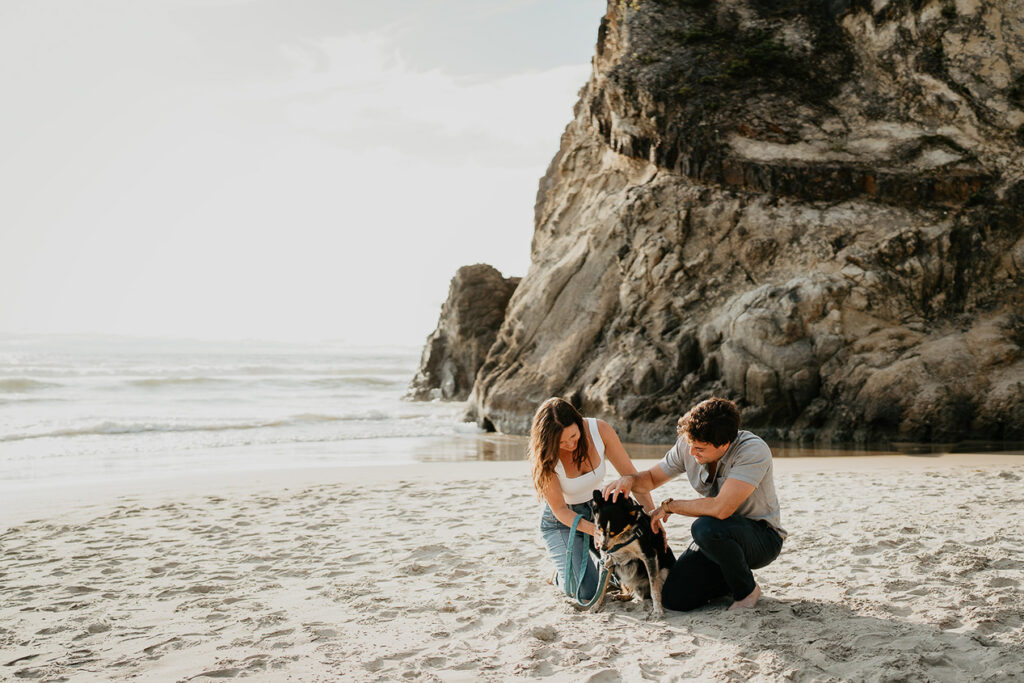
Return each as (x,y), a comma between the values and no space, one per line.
(896,567)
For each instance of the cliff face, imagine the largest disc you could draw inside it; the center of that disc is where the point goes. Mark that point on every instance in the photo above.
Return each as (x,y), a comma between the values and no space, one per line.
(815,208)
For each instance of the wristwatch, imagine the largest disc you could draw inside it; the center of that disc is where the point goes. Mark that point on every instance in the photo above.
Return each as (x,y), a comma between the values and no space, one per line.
(664,506)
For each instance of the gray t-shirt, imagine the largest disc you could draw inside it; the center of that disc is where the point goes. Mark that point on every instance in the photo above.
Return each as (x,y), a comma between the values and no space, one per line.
(748,459)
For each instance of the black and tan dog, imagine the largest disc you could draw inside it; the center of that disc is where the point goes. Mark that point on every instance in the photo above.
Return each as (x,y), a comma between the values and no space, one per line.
(639,558)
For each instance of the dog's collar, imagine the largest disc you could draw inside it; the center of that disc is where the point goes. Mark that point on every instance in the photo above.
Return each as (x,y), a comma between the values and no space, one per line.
(633,535)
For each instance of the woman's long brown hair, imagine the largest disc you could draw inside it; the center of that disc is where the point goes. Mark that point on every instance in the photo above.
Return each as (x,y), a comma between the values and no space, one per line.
(553,415)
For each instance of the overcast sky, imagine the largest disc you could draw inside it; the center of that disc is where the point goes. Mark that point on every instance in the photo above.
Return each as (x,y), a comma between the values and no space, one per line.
(279,169)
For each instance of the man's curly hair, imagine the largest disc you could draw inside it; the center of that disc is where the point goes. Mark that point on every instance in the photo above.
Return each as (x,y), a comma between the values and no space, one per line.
(715,421)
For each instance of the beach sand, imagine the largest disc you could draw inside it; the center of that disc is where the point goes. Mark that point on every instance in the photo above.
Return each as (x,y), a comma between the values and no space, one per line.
(897,568)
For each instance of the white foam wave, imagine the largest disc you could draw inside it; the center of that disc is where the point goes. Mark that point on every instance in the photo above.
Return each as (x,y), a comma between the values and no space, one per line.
(467,428)
(115,428)
(157,382)
(21,385)
(284,381)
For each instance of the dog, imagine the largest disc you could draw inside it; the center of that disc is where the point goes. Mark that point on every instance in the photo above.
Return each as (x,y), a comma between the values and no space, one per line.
(638,557)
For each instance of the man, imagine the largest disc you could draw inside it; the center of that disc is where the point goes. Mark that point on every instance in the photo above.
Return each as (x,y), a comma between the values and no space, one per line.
(737,527)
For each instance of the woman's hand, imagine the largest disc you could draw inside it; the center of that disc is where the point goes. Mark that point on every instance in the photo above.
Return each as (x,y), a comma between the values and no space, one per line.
(623,485)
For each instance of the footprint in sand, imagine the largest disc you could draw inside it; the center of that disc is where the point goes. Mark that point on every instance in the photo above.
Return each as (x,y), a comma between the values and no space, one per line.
(219,673)
(545,634)
(416,568)
(319,632)
(1002,582)
(427,552)
(22,658)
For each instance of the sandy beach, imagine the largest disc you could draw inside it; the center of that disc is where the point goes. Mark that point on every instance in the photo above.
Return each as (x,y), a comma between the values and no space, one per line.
(897,568)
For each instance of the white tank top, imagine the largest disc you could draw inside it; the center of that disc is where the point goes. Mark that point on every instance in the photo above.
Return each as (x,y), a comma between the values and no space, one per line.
(581,489)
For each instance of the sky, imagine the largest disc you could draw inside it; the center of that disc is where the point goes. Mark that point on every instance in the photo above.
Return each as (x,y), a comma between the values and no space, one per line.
(294,170)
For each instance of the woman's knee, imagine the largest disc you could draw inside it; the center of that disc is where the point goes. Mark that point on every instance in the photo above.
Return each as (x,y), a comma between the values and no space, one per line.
(587,586)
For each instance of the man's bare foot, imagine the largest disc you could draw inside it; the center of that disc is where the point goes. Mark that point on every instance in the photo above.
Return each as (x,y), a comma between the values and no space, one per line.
(749,601)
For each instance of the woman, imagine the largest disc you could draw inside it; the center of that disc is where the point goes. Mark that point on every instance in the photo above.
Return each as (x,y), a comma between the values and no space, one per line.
(567,456)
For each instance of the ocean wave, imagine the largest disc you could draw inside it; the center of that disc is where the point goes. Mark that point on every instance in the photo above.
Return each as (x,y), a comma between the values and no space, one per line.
(313,418)
(120,428)
(357,380)
(209,370)
(21,385)
(155,382)
(369,381)
(327,370)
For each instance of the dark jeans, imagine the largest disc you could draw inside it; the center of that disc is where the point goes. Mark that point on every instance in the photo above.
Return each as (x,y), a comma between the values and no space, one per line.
(726,550)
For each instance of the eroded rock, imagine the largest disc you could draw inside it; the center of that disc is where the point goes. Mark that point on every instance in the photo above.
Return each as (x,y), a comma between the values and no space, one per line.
(813,208)
(468,325)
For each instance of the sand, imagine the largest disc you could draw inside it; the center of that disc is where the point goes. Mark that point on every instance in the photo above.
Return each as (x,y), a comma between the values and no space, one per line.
(897,568)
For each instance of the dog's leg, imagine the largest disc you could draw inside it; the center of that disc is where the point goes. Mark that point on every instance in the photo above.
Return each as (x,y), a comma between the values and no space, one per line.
(654,574)
(624,594)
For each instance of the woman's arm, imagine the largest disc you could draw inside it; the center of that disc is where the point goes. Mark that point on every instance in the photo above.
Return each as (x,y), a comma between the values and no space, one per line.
(616,454)
(556,501)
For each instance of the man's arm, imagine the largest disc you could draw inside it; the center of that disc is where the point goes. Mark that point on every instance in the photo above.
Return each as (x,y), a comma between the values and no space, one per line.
(616,454)
(641,482)
(729,498)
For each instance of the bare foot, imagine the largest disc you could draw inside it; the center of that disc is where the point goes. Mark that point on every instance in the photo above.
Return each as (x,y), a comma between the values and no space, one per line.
(749,601)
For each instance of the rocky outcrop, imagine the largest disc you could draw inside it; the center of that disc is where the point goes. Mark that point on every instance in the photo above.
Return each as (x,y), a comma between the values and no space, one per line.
(469,323)
(815,208)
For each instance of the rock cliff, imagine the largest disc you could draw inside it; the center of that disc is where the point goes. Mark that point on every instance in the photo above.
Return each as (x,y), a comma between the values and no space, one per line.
(470,318)
(813,207)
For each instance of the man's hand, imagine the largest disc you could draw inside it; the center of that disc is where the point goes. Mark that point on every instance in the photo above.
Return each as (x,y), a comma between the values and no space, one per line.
(623,485)
(658,517)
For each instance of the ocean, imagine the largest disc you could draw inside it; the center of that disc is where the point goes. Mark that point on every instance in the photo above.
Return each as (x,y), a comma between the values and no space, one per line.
(99,408)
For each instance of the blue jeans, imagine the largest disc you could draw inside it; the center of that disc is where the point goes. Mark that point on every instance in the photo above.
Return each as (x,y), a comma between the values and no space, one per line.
(556,538)
(719,561)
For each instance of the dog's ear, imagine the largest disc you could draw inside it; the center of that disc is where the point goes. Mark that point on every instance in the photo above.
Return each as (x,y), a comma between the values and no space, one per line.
(598,496)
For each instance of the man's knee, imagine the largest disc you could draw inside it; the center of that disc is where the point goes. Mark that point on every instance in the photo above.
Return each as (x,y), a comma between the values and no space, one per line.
(682,602)
(705,530)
